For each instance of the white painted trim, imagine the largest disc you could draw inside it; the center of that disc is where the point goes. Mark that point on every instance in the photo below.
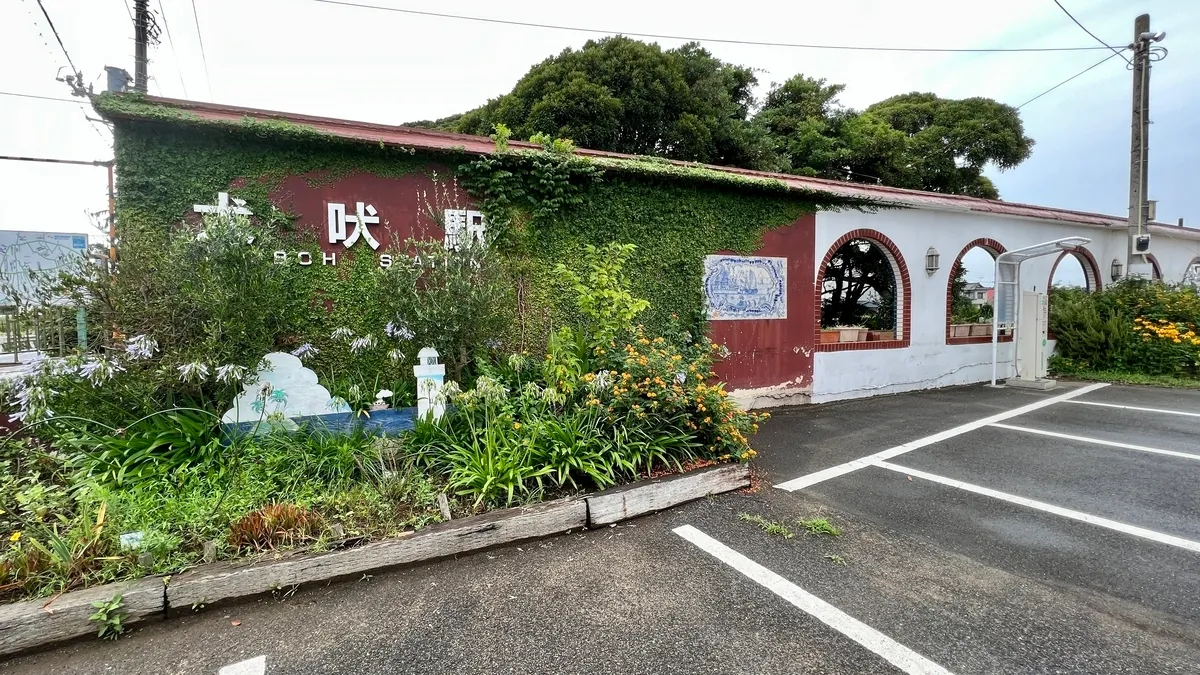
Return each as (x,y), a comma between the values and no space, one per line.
(1134,407)
(854,465)
(254,666)
(1098,441)
(885,647)
(1125,528)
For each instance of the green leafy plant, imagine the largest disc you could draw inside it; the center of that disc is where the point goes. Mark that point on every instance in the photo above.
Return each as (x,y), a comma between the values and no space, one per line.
(771,527)
(819,526)
(111,616)
(602,292)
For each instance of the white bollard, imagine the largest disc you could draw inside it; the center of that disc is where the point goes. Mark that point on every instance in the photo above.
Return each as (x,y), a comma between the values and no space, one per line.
(430,376)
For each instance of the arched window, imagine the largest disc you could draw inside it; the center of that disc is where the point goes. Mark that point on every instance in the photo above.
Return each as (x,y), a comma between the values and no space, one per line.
(970,294)
(1191,276)
(1075,268)
(863,294)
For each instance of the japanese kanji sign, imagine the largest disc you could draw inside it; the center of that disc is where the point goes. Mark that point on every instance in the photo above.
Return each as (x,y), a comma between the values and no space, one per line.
(339,223)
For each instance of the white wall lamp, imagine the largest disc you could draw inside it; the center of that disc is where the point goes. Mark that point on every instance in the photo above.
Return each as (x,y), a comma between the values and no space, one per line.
(932,258)
(1115,269)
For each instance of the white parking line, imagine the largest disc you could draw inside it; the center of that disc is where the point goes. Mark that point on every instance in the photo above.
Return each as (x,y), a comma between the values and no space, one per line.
(854,465)
(891,651)
(1097,441)
(1048,508)
(1134,407)
(254,666)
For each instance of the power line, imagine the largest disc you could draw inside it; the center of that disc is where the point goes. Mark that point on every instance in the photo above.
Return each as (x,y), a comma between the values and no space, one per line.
(171,41)
(346,3)
(43,98)
(128,11)
(56,37)
(1068,79)
(53,58)
(207,79)
(49,160)
(1064,9)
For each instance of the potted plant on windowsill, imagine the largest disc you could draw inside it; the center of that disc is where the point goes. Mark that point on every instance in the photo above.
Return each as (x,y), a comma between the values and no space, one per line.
(960,330)
(829,335)
(980,329)
(881,335)
(851,333)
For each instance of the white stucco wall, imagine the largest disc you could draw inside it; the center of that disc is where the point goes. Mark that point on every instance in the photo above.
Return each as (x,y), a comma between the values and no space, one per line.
(929,362)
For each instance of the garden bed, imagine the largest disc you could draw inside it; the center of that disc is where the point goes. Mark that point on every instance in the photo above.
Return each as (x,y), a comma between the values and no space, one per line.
(32,624)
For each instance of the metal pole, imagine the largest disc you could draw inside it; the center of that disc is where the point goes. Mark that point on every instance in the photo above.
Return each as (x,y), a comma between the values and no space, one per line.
(995,317)
(140,39)
(1138,130)
(112,217)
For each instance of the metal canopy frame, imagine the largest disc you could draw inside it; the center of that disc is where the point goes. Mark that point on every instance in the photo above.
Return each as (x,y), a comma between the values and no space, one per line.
(1008,274)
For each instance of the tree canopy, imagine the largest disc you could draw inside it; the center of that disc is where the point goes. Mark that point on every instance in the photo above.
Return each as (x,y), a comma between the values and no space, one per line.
(628,96)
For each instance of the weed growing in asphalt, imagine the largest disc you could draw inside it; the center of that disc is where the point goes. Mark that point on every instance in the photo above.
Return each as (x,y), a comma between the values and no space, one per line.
(836,559)
(768,526)
(110,617)
(818,526)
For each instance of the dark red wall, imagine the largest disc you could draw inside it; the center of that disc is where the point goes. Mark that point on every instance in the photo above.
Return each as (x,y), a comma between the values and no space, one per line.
(404,205)
(763,352)
(766,352)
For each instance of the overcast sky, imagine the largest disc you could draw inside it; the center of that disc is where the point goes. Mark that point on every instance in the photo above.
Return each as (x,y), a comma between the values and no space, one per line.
(305,56)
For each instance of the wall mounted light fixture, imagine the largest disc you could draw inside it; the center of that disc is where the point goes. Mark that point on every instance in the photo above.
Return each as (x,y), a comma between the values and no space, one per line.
(932,257)
(1116,269)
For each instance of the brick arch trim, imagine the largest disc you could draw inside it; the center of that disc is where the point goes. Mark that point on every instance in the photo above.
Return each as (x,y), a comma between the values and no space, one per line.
(903,281)
(1157,273)
(1091,271)
(991,246)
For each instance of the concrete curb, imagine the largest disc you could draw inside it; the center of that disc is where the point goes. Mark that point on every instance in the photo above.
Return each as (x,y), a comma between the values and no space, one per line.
(27,625)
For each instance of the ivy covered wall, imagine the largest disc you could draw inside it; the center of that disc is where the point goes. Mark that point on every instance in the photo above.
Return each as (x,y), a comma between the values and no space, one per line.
(543,207)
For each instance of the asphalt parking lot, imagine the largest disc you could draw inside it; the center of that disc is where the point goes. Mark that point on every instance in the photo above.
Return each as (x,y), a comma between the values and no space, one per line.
(982,531)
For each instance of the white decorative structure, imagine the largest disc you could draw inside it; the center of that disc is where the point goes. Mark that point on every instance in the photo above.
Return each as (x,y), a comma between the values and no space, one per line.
(430,376)
(222,207)
(284,389)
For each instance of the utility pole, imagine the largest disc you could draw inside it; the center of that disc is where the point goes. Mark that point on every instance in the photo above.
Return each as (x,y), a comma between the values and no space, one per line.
(141,36)
(1139,155)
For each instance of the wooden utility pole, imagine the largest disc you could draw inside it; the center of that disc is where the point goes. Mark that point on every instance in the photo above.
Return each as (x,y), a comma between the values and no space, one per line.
(141,36)
(1139,154)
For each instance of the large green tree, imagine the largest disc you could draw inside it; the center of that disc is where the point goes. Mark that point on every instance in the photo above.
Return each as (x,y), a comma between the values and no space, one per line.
(915,140)
(623,95)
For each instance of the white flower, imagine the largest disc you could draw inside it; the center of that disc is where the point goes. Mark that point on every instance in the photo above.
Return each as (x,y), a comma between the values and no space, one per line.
(396,355)
(97,371)
(140,347)
(450,391)
(193,372)
(231,373)
(382,394)
(601,381)
(305,349)
(680,377)
(342,333)
(723,351)
(398,331)
(265,390)
(362,343)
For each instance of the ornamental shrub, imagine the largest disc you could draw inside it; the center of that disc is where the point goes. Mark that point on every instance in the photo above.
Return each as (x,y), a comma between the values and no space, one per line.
(1133,326)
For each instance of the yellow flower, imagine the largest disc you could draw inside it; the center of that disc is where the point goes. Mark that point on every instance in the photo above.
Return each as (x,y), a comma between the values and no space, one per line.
(516,425)
(16,536)
(651,394)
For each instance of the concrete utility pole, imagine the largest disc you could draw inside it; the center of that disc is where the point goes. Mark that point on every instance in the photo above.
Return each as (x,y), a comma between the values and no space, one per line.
(141,36)
(1139,156)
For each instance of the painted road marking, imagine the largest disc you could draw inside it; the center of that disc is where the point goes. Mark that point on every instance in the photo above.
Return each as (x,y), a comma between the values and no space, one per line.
(254,666)
(1134,407)
(891,651)
(1048,508)
(863,462)
(1097,441)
